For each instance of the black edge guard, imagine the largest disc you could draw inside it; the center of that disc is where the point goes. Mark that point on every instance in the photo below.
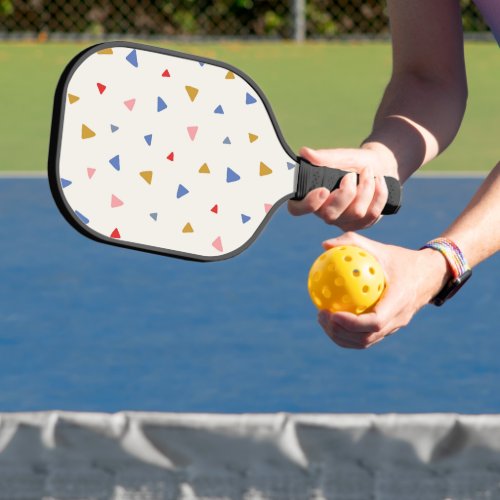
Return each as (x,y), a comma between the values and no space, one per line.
(312,177)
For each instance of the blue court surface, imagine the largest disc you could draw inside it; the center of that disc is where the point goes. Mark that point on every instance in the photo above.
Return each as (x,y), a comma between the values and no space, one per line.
(91,327)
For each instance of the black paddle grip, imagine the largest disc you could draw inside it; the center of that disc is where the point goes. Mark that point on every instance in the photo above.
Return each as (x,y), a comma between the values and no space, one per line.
(312,177)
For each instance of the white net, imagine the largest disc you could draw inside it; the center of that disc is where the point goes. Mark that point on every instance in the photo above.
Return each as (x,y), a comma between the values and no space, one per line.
(154,456)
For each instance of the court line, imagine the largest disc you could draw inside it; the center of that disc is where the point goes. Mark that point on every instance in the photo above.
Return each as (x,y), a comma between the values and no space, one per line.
(431,174)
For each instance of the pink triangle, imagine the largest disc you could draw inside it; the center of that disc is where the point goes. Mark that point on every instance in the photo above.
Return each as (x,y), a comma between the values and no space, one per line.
(115,201)
(267,207)
(192,131)
(217,244)
(90,172)
(130,104)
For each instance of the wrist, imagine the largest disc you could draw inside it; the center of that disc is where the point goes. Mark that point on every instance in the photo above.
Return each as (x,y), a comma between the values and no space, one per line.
(386,157)
(437,272)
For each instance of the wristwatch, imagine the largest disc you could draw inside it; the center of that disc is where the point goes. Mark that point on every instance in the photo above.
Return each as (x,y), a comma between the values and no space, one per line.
(460,270)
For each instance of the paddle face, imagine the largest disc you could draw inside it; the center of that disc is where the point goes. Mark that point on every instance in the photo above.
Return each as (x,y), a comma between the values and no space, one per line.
(165,152)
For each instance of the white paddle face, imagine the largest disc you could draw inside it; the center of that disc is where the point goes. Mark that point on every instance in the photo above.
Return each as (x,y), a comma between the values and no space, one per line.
(164,152)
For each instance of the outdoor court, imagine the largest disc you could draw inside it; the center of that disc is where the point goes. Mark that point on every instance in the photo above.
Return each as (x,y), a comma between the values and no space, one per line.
(90,327)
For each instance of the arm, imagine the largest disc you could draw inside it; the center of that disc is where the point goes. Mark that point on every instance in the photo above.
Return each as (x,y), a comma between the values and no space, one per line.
(415,277)
(419,114)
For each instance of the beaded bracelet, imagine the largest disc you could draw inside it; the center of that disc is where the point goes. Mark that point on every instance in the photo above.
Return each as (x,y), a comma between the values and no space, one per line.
(451,253)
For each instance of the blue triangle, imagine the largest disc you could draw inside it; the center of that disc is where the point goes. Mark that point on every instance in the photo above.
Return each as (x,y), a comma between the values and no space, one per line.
(148,138)
(81,217)
(161,104)
(114,128)
(201,63)
(250,99)
(154,215)
(115,162)
(181,191)
(219,110)
(245,218)
(65,183)
(290,165)
(227,140)
(132,58)
(232,176)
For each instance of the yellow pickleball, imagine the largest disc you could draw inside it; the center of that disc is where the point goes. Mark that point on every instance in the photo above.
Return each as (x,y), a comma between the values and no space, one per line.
(346,278)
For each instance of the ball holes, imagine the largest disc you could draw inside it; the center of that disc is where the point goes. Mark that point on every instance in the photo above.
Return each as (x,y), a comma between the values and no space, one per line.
(356,273)
(366,289)
(372,270)
(348,258)
(326,292)
(362,254)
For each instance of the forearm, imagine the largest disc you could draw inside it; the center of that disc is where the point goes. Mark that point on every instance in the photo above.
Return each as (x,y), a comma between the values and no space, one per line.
(416,120)
(477,230)
(424,103)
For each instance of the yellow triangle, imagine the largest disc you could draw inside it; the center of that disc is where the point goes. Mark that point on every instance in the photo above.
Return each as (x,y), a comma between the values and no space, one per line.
(86,132)
(230,75)
(253,137)
(72,98)
(264,169)
(204,169)
(188,228)
(192,92)
(147,175)
(105,51)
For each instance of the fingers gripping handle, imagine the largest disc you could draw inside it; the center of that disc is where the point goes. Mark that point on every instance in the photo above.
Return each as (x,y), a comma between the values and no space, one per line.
(311,177)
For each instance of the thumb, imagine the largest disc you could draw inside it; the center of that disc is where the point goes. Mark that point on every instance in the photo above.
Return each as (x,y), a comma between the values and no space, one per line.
(338,157)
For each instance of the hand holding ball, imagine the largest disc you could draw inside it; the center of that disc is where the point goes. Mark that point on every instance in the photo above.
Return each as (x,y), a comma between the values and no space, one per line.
(346,278)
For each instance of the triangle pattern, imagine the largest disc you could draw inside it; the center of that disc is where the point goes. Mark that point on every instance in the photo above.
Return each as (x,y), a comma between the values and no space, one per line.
(226,141)
(290,165)
(264,169)
(252,137)
(105,51)
(161,104)
(72,98)
(204,169)
(148,138)
(82,217)
(188,228)
(132,59)
(219,110)
(250,99)
(115,201)
(229,75)
(101,88)
(181,191)
(166,74)
(65,183)
(267,207)
(114,128)
(217,244)
(192,92)
(245,218)
(90,172)
(115,162)
(215,209)
(130,103)
(171,156)
(154,215)
(231,175)
(115,234)
(147,175)
(192,131)
(86,132)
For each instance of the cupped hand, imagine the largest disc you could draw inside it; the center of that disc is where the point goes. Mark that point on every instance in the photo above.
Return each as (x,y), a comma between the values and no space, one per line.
(413,278)
(352,206)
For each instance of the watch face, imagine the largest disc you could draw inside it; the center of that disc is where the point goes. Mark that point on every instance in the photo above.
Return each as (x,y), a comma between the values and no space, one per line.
(451,288)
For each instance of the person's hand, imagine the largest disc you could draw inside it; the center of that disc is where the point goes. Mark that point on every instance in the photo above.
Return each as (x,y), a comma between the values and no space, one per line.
(413,278)
(351,206)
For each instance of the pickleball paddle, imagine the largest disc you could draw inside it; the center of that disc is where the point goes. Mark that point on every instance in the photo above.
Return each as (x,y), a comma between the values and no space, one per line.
(171,153)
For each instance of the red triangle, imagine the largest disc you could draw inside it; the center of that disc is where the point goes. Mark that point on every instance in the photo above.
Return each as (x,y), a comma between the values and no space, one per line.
(165,73)
(101,88)
(115,234)
(171,156)
(215,209)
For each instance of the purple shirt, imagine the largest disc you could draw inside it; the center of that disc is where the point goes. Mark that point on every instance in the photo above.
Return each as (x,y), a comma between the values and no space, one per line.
(490,9)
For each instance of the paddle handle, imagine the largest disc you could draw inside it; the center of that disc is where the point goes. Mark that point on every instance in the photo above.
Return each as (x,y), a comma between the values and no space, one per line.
(312,177)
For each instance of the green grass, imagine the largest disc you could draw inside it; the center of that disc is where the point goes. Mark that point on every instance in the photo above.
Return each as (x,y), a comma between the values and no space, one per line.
(323,94)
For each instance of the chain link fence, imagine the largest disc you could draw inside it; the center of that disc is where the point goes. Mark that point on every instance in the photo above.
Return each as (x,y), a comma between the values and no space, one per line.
(283,19)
